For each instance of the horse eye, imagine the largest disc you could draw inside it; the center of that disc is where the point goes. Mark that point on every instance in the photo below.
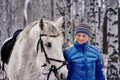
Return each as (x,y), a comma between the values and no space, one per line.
(48,44)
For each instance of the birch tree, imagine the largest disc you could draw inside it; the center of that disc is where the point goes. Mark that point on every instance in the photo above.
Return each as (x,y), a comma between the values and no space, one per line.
(113,69)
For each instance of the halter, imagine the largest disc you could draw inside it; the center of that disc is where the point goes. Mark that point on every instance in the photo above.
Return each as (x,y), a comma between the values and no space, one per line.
(53,68)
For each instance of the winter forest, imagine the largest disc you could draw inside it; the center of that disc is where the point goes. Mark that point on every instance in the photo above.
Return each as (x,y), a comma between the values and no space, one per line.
(102,15)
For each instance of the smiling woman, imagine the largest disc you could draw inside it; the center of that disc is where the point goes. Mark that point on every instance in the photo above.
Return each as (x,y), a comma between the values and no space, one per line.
(37,53)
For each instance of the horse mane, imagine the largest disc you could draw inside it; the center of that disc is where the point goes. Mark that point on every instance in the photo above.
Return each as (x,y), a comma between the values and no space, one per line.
(51,29)
(27,29)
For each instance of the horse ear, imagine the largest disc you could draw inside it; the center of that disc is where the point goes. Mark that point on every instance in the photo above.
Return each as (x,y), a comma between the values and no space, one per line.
(41,24)
(59,22)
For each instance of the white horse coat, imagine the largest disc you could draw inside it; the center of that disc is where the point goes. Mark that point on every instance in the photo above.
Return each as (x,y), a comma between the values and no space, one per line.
(27,60)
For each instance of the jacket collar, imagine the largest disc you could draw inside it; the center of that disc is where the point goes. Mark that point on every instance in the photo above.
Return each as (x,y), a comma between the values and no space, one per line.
(81,47)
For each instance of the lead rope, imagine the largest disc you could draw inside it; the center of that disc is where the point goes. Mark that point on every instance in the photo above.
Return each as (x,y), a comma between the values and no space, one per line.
(54,70)
(4,75)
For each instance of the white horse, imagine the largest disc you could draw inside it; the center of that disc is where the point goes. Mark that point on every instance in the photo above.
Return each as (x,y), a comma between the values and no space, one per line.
(37,53)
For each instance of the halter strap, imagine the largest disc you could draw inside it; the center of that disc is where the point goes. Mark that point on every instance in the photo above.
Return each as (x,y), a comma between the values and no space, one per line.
(40,41)
(42,49)
(53,67)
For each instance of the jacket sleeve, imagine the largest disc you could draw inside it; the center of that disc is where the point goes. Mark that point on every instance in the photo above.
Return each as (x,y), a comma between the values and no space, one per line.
(68,63)
(65,53)
(99,71)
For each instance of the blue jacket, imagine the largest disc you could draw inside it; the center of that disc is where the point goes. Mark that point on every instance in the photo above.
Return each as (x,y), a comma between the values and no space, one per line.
(84,62)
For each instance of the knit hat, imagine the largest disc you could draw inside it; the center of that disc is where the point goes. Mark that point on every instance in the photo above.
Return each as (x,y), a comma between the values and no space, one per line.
(83,28)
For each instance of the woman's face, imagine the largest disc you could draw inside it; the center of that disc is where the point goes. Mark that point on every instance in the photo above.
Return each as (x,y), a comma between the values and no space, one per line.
(82,38)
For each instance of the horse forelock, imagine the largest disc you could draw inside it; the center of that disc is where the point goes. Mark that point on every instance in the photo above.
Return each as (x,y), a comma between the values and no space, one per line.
(51,28)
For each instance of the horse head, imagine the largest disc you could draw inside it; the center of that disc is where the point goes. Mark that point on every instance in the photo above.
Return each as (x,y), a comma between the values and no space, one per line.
(49,48)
